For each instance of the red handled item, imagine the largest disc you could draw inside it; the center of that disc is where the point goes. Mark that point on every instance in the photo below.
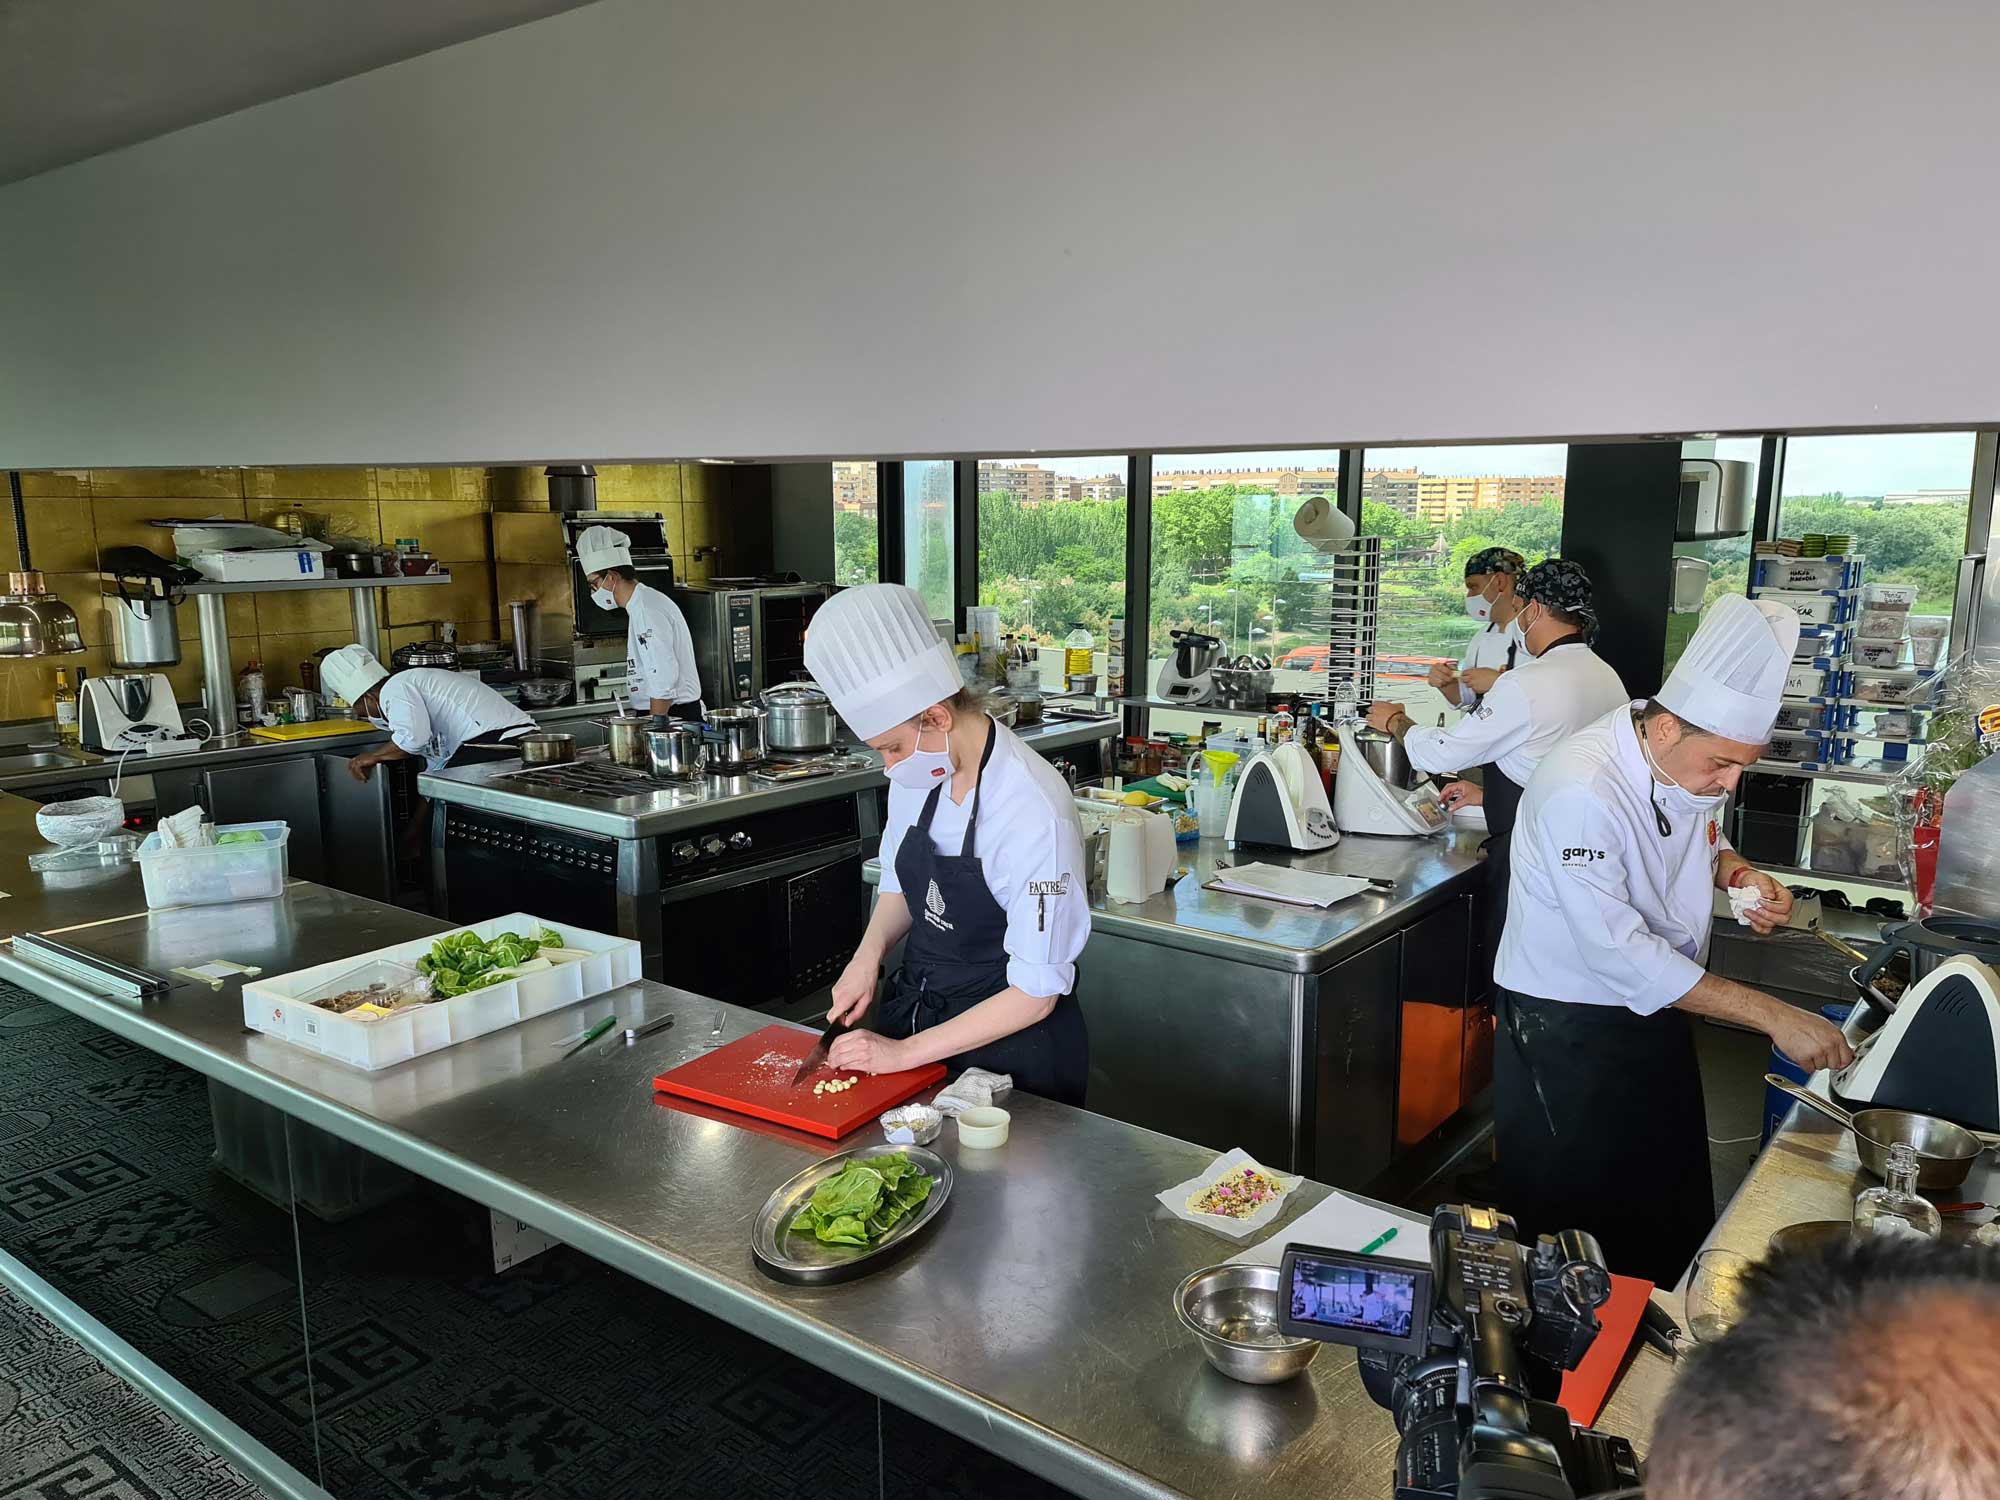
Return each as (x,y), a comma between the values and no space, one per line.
(753,1076)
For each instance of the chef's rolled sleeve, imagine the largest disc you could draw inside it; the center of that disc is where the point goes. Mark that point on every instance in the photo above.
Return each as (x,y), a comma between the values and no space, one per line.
(409,722)
(1584,850)
(1048,915)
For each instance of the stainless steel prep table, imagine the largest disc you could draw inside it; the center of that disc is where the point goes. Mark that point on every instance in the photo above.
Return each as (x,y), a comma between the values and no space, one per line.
(1339,1043)
(1034,1321)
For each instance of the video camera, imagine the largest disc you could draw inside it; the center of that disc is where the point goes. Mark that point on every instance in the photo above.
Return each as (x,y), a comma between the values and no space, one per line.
(1467,1353)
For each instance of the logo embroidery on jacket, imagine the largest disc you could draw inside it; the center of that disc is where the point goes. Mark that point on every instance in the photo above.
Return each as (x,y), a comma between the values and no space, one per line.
(934,908)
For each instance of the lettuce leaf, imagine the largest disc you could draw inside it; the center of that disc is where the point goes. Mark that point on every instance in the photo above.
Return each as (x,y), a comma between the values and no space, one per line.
(863,1201)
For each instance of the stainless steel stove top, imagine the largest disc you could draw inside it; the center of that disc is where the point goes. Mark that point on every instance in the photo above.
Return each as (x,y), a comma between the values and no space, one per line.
(604,777)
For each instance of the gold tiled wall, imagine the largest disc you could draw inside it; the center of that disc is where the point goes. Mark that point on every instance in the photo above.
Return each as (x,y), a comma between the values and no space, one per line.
(491,527)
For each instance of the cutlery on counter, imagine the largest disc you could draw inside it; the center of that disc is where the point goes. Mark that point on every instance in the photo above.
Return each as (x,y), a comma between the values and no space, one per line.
(632,1034)
(592,1035)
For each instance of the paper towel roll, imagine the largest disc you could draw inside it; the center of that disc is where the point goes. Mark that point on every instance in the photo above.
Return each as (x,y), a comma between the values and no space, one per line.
(1322,523)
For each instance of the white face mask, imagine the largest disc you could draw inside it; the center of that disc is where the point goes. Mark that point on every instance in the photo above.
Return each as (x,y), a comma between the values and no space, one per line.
(1479,606)
(922,769)
(602,599)
(1669,796)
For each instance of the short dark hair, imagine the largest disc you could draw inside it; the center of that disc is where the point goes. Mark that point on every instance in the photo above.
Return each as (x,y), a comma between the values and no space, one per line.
(1859,1370)
(1655,709)
(618,571)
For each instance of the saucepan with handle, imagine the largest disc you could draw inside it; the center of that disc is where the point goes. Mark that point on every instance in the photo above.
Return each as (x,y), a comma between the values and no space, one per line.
(1945,1152)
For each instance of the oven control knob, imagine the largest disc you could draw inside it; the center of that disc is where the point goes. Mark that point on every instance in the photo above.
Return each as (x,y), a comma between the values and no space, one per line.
(685,853)
(739,840)
(711,846)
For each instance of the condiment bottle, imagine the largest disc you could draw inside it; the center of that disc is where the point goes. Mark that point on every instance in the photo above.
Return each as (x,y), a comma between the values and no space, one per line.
(68,730)
(1896,1208)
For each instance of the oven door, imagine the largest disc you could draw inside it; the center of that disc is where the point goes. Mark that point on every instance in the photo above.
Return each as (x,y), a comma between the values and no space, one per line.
(768,935)
(655,568)
(783,616)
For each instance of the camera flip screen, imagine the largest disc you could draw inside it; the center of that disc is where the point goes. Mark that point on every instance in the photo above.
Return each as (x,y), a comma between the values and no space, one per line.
(1365,1300)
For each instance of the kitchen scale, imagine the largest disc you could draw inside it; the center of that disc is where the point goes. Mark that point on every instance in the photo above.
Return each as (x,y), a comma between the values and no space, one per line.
(1280,803)
(1364,803)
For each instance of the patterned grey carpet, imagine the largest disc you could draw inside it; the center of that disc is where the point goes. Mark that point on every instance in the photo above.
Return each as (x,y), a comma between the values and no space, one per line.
(430,1377)
(70,1429)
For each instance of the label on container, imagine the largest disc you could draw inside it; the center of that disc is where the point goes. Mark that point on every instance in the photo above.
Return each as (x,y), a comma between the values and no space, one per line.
(1989,728)
(66,711)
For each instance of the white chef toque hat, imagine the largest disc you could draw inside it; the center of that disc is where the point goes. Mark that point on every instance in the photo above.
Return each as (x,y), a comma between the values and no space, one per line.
(1732,674)
(878,657)
(600,547)
(350,672)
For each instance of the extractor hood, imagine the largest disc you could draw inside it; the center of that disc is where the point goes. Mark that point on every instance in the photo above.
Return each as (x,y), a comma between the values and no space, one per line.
(1716,499)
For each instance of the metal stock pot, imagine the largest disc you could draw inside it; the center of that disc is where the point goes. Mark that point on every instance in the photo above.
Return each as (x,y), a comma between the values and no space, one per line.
(798,717)
(739,734)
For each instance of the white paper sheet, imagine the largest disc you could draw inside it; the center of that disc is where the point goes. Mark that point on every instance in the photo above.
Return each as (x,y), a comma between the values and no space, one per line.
(1282,883)
(1176,1198)
(1343,1223)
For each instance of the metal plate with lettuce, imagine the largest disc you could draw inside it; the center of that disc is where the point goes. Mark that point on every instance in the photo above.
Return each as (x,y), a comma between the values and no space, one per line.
(824,1248)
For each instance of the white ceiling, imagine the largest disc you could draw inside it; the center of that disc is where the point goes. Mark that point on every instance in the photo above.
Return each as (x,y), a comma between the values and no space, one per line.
(81,77)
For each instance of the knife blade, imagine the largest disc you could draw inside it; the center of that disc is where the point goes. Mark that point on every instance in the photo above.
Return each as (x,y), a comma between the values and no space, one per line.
(817,1056)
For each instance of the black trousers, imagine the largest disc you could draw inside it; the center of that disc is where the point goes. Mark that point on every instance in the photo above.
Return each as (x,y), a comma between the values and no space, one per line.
(1599,1125)
(482,748)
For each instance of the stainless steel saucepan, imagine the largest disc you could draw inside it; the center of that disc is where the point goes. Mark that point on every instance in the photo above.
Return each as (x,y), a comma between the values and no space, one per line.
(625,738)
(1945,1152)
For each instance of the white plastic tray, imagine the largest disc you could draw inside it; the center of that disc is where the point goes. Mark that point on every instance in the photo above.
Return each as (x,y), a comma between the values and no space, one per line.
(272,1007)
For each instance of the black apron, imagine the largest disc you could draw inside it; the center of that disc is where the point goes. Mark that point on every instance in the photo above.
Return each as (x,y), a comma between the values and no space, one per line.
(956,956)
(1501,798)
(493,744)
(1598,1124)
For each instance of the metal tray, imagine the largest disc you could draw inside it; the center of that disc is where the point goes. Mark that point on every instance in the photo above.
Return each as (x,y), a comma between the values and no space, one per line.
(805,1261)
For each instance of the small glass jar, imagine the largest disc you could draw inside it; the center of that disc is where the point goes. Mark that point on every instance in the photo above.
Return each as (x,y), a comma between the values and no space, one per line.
(1896,1208)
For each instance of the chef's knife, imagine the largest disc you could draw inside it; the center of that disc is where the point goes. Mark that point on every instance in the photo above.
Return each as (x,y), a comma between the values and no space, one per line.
(817,1057)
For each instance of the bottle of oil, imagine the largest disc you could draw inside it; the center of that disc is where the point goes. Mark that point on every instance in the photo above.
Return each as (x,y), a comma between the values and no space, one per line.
(68,730)
(1076,656)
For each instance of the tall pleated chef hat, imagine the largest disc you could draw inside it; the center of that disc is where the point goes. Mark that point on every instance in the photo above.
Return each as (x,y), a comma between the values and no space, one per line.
(1732,674)
(350,672)
(599,547)
(878,657)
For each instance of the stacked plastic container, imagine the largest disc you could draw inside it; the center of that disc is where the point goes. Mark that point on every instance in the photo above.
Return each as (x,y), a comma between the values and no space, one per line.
(1814,724)
(1894,653)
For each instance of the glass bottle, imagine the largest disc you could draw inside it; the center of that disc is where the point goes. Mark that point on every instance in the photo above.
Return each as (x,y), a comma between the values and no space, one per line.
(68,730)
(1895,1208)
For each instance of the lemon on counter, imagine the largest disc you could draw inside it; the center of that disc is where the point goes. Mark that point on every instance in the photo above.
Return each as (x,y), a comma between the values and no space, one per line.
(1137,799)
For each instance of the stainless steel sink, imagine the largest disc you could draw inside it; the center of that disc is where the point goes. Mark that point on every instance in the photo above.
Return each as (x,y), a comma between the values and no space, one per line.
(41,760)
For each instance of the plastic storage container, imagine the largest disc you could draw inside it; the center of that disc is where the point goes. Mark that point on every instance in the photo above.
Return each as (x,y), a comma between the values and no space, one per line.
(278,1007)
(1812,608)
(1797,714)
(285,1160)
(1926,650)
(1895,723)
(1883,655)
(1770,838)
(1892,596)
(1809,681)
(1882,625)
(216,873)
(1866,685)
(1929,627)
(1802,572)
(1809,748)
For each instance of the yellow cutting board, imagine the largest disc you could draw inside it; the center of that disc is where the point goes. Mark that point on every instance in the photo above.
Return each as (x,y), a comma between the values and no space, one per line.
(312,730)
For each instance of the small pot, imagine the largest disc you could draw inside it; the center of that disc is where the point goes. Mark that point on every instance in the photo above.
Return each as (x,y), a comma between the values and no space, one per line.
(546,749)
(740,736)
(677,751)
(304,705)
(1945,1152)
(799,717)
(626,738)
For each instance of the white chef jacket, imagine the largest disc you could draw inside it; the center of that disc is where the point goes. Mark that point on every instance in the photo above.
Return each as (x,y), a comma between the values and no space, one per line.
(431,712)
(1030,849)
(1602,909)
(1487,649)
(1530,711)
(659,660)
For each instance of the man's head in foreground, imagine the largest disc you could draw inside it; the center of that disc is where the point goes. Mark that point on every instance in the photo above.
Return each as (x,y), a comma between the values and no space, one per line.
(1862,1372)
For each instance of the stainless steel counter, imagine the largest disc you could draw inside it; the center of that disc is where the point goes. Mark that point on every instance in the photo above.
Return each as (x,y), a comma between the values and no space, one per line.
(1272,935)
(89,766)
(1034,1320)
(669,807)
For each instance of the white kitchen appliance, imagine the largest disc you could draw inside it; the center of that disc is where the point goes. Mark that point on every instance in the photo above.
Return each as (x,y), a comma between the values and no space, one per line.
(1185,674)
(1141,855)
(1364,803)
(1280,803)
(1938,1053)
(128,711)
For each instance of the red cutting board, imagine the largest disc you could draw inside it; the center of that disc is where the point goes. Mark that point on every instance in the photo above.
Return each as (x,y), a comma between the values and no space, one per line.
(1585,1388)
(753,1076)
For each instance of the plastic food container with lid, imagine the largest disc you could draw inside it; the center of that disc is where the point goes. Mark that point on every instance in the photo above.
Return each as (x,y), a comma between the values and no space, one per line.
(1870,685)
(1880,653)
(1801,572)
(1929,627)
(1882,625)
(1811,608)
(1925,650)
(215,873)
(1893,596)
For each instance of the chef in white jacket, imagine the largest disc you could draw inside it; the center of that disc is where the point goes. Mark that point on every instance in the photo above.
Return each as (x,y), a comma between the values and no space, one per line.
(982,864)
(1618,850)
(448,718)
(659,661)
(1489,599)
(1558,687)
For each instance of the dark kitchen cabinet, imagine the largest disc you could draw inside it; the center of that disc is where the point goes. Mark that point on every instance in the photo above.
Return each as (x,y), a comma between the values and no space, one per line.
(266,791)
(357,820)
(1354,1066)
(1430,1067)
